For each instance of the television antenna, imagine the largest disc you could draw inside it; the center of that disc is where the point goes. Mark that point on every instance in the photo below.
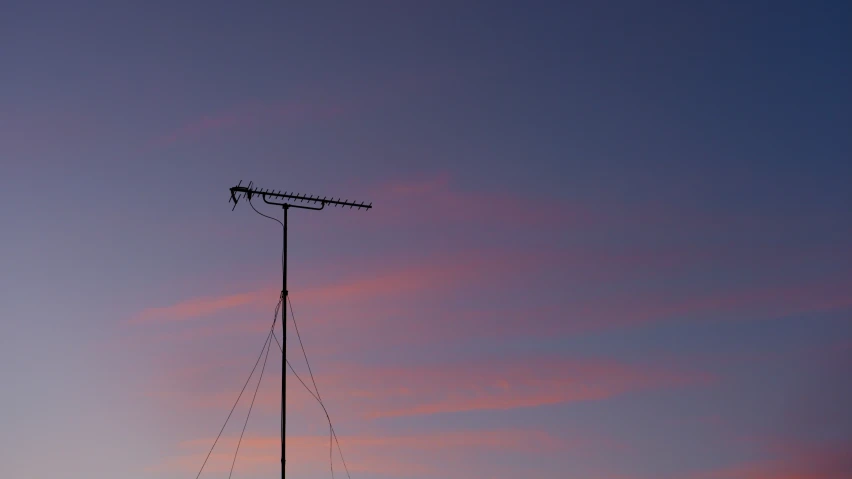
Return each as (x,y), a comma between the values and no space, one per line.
(287,200)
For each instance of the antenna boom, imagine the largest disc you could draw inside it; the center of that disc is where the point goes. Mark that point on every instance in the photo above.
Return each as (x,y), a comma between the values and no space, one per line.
(248,191)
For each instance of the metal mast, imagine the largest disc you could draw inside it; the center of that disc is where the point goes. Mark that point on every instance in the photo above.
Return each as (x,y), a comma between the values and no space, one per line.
(287,201)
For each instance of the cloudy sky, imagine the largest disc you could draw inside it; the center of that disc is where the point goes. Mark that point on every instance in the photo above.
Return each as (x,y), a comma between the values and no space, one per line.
(610,240)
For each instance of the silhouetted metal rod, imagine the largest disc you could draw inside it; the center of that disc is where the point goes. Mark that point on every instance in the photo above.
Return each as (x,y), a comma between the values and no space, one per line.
(250,191)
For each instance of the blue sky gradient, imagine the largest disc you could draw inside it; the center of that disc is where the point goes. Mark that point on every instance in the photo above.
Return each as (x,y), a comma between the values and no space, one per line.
(609,240)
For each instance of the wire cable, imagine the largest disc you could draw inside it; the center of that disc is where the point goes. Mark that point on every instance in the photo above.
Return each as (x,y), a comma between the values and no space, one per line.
(218,436)
(301,345)
(268,347)
(283,228)
(310,391)
(316,388)
(322,405)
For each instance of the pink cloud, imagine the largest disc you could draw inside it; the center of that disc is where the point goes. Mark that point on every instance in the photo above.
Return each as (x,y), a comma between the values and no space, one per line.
(399,299)
(436,201)
(492,385)
(396,455)
(399,278)
(428,185)
(256,115)
(356,391)
(831,464)
(759,302)
(421,322)
(493,439)
(209,393)
(247,116)
(788,458)
(200,307)
(393,281)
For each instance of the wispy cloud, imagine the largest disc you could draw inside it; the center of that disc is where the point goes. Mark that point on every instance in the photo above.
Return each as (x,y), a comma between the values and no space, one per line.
(749,303)
(343,308)
(493,385)
(399,455)
(436,201)
(388,282)
(499,293)
(246,116)
(200,307)
(358,392)
(828,463)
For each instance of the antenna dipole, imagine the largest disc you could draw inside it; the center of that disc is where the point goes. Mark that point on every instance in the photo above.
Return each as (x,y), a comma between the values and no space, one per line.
(286,201)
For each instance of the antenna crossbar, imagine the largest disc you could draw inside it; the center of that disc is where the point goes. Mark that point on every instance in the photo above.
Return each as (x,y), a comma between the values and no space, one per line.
(238,192)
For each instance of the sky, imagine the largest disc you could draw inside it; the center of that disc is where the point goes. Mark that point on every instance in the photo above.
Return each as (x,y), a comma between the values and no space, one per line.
(610,240)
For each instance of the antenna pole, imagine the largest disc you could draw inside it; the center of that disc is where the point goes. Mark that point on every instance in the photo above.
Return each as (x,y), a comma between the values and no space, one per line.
(284,345)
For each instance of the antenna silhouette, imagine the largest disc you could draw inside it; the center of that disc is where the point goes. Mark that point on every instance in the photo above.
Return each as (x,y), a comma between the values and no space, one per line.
(284,201)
